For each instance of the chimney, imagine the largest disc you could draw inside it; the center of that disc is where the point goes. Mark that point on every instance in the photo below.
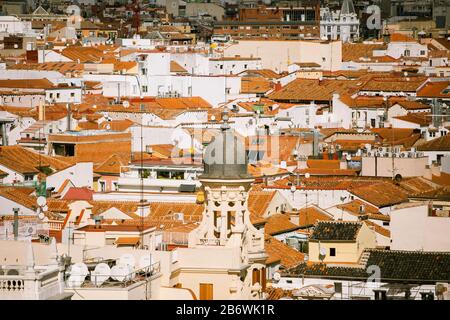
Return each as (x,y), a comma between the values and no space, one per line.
(278,86)
(343,164)
(143,209)
(69,117)
(41,111)
(302,163)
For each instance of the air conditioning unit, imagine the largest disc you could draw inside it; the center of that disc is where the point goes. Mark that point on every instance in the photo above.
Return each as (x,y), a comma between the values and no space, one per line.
(395,155)
(369,154)
(403,154)
(377,154)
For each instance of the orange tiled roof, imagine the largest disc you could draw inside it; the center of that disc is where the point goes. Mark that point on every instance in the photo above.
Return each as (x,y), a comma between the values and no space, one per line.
(356,51)
(19,195)
(399,37)
(255,85)
(24,160)
(420,118)
(175,67)
(258,201)
(434,90)
(381,194)
(26,83)
(310,215)
(264,73)
(278,251)
(279,223)
(313,90)
(397,84)
(112,165)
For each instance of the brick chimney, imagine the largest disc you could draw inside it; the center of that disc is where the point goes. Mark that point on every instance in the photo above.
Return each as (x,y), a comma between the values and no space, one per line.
(278,86)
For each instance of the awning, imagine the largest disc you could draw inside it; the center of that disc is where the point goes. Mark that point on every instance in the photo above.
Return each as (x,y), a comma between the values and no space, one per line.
(127,241)
(187,188)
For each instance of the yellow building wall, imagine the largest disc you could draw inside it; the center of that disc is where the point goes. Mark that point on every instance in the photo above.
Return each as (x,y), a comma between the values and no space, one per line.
(345,251)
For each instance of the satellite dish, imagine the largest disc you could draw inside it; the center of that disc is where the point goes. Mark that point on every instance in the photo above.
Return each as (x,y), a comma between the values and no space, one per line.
(101,273)
(75,281)
(79,269)
(213,118)
(348,157)
(322,253)
(45,208)
(78,273)
(41,201)
(276,276)
(307,175)
(145,262)
(127,259)
(41,215)
(121,272)
(126,104)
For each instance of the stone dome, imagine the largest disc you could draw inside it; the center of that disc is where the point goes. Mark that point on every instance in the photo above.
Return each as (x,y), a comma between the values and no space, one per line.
(225,156)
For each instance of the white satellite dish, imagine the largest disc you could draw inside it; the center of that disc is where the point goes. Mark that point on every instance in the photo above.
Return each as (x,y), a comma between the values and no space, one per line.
(75,281)
(101,273)
(323,251)
(41,215)
(41,201)
(145,262)
(307,175)
(127,259)
(78,273)
(121,272)
(213,118)
(276,276)
(126,104)
(79,269)
(45,208)
(348,157)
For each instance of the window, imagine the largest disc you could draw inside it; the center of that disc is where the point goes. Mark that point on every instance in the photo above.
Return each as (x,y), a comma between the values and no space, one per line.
(102,186)
(407,53)
(206,291)
(145,89)
(72,94)
(422,52)
(115,186)
(332,252)
(29,177)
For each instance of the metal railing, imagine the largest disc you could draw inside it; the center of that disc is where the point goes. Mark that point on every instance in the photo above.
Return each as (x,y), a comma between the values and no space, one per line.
(138,275)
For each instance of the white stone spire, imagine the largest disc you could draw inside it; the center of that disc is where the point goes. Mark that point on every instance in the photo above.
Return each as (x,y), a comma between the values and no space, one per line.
(347,7)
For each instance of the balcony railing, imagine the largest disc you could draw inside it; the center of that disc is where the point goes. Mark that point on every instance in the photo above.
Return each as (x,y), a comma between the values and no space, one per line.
(55,225)
(175,238)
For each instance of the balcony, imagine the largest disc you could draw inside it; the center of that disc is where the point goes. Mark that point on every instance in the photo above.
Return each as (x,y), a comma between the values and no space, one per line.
(41,285)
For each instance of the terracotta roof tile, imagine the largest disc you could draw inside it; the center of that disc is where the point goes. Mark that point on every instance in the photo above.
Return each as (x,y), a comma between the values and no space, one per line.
(279,223)
(278,251)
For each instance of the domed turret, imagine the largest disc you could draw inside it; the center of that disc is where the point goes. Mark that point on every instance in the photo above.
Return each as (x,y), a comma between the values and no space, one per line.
(225,156)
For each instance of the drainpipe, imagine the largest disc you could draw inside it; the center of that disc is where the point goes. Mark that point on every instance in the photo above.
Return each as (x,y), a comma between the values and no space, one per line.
(16,223)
